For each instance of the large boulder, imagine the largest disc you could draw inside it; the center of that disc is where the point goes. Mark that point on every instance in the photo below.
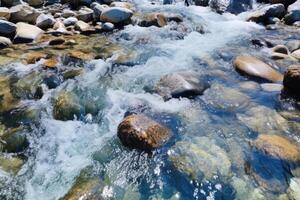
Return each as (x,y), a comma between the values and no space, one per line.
(116,15)
(181,84)
(291,79)
(141,132)
(27,33)
(24,13)
(253,67)
(7,29)
(232,6)
(85,14)
(262,15)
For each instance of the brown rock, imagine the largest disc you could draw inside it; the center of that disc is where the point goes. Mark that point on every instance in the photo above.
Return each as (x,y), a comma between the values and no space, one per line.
(154,19)
(254,67)
(34,57)
(291,81)
(141,132)
(277,147)
(50,63)
(81,55)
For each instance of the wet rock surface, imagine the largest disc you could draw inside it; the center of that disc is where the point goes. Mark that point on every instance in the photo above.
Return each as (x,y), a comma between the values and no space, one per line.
(194,128)
(138,131)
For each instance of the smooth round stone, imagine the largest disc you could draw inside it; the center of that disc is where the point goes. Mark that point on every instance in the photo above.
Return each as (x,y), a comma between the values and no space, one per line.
(254,67)
(24,13)
(277,147)
(181,84)
(200,158)
(45,21)
(107,26)
(116,15)
(141,132)
(70,21)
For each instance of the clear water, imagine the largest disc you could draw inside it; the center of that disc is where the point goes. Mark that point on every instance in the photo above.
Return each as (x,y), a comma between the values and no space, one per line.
(60,150)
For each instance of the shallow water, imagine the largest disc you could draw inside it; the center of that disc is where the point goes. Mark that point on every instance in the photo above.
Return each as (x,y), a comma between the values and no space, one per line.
(60,150)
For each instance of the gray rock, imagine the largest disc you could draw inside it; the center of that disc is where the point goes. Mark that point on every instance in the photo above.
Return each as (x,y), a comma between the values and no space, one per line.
(4,42)
(107,26)
(5,13)
(263,14)
(7,29)
(68,13)
(98,9)
(27,33)
(24,13)
(116,15)
(45,21)
(85,14)
(181,84)
(70,21)
(232,6)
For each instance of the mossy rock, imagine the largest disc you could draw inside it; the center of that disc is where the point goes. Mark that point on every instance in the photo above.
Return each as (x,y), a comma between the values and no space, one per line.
(11,164)
(67,107)
(7,100)
(13,140)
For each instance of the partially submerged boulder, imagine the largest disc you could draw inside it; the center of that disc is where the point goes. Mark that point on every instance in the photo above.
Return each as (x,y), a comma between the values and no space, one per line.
(253,67)
(141,132)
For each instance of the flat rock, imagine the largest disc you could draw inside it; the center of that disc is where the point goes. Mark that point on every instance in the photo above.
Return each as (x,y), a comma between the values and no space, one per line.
(141,132)
(27,33)
(253,67)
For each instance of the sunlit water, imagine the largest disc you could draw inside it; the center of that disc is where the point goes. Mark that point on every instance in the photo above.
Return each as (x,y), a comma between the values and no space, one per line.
(60,150)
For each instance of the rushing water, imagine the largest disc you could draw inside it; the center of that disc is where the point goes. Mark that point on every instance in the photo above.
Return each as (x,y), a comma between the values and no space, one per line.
(60,150)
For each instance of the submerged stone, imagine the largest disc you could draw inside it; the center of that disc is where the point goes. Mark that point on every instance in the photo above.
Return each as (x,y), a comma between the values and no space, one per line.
(11,164)
(141,132)
(199,159)
(181,84)
(277,147)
